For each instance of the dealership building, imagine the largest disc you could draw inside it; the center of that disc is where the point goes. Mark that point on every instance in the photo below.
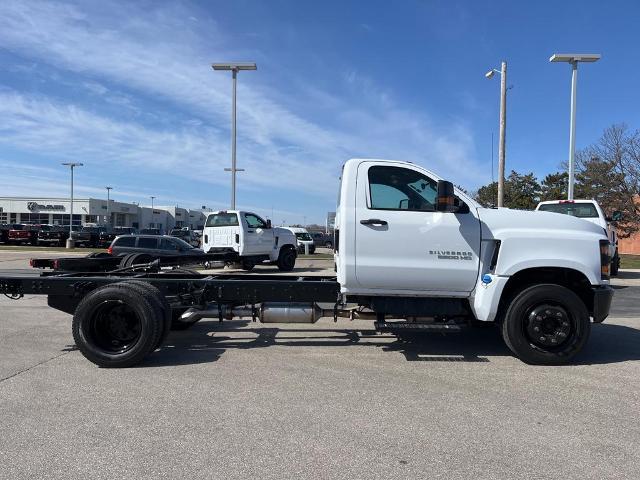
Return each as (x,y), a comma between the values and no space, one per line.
(56,211)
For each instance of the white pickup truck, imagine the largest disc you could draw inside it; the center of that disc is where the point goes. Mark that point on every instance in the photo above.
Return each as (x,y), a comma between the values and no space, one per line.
(244,238)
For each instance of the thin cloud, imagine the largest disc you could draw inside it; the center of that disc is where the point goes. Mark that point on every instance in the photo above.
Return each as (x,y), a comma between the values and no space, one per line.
(164,57)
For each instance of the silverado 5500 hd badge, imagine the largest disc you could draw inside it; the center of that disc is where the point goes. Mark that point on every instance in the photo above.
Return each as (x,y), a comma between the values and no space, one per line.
(451,255)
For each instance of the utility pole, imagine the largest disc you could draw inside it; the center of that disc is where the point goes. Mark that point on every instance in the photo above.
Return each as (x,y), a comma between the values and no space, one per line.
(503,128)
(503,132)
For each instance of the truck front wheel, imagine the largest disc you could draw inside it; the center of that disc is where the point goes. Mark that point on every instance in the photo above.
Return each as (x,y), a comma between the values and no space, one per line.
(287,259)
(546,324)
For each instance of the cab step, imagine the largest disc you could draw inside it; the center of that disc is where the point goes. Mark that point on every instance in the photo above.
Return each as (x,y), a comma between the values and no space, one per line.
(417,327)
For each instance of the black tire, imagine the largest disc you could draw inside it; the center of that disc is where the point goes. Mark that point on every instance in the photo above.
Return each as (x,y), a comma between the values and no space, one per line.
(162,304)
(287,259)
(328,244)
(136,259)
(124,261)
(546,324)
(116,326)
(615,264)
(247,265)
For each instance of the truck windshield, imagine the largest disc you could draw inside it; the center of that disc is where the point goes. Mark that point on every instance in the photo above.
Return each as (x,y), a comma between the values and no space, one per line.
(222,220)
(304,236)
(580,210)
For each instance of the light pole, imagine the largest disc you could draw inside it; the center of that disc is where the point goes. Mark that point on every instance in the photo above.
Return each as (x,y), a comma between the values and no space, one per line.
(153,217)
(108,206)
(573,59)
(70,241)
(235,68)
(503,127)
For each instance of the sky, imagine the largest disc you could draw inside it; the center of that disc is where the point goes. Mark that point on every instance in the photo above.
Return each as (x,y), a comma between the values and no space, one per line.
(126,87)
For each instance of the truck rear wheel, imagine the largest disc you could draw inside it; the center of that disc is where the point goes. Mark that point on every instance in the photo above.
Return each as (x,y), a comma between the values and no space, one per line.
(546,325)
(287,259)
(117,326)
(155,296)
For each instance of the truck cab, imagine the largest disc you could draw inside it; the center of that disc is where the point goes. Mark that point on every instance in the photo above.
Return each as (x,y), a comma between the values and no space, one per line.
(409,245)
(241,237)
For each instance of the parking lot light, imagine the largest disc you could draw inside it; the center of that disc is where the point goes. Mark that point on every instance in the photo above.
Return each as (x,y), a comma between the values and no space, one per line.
(573,59)
(108,206)
(234,67)
(70,241)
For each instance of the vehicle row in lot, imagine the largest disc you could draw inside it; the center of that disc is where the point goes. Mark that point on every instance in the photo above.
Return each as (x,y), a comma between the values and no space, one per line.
(89,235)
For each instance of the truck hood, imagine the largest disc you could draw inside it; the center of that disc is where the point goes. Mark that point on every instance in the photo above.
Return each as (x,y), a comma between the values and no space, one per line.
(499,223)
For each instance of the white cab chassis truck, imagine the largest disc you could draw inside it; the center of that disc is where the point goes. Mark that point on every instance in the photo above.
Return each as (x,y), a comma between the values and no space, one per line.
(236,236)
(411,252)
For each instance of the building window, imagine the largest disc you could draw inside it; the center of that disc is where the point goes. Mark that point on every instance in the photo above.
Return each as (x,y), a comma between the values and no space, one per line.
(35,218)
(4,217)
(13,218)
(91,218)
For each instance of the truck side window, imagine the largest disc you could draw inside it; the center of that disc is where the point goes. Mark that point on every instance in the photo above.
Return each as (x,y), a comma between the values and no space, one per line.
(254,221)
(397,188)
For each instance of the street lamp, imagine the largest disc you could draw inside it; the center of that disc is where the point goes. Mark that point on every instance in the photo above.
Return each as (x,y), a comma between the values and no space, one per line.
(573,59)
(503,127)
(70,241)
(235,68)
(108,206)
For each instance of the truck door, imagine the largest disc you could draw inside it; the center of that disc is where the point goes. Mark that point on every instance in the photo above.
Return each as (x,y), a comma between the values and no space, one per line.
(258,238)
(402,243)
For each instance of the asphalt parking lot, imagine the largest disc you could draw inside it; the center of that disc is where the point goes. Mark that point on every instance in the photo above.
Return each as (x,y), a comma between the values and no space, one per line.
(243,400)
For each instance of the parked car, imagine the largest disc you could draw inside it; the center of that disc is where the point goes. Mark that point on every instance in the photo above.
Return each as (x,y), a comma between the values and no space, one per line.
(125,230)
(106,236)
(89,235)
(154,245)
(303,238)
(590,211)
(4,231)
(53,235)
(186,235)
(321,239)
(22,233)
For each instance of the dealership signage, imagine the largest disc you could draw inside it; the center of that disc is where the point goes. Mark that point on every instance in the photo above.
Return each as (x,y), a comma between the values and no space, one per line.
(33,206)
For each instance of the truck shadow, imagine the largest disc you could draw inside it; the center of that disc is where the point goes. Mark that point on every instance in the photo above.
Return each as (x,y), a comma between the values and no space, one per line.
(206,342)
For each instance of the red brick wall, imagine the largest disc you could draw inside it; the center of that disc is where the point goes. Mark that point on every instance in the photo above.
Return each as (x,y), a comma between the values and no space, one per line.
(630,245)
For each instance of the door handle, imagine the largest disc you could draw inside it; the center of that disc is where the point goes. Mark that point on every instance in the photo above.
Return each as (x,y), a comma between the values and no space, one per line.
(373,221)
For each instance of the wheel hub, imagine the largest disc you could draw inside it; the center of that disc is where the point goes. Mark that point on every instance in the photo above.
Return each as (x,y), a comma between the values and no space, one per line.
(548,325)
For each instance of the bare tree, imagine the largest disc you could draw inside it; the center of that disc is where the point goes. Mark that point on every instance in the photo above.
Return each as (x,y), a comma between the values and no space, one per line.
(609,171)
